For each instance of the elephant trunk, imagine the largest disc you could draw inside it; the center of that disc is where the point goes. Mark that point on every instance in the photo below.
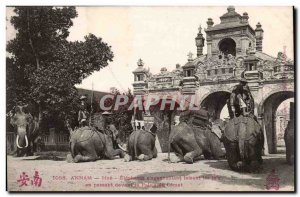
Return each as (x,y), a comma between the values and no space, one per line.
(21,138)
(244,149)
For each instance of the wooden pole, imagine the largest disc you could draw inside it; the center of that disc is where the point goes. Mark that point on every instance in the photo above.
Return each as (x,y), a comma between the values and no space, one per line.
(169,142)
(92,97)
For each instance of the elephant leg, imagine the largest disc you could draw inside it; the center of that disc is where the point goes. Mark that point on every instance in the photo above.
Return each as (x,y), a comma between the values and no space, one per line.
(118,152)
(258,152)
(127,158)
(90,157)
(88,154)
(192,148)
(110,153)
(177,149)
(191,156)
(19,152)
(80,158)
(207,155)
(178,153)
(232,154)
(35,146)
(146,157)
(69,158)
(29,148)
(154,152)
(216,148)
(147,154)
(255,156)
(130,152)
(237,166)
(177,158)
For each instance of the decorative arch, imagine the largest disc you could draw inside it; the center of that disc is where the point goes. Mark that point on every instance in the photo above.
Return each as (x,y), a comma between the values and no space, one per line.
(260,105)
(214,101)
(227,46)
(267,113)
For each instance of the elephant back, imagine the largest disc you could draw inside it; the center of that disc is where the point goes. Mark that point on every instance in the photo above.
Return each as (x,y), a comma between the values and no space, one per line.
(181,127)
(241,128)
(82,134)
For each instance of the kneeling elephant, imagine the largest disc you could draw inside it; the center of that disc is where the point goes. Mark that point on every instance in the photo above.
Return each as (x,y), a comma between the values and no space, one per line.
(88,144)
(141,146)
(243,140)
(190,142)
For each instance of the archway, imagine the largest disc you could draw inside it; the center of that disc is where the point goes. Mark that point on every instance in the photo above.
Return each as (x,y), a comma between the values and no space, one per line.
(282,119)
(227,46)
(269,109)
(215,102)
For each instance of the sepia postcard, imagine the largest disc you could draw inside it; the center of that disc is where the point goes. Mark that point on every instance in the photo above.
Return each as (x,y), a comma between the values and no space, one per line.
(150,99)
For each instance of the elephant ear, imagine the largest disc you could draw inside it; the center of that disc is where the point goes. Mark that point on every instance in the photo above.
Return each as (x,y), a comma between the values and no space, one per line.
(230,131)
(216,130)
(218,127)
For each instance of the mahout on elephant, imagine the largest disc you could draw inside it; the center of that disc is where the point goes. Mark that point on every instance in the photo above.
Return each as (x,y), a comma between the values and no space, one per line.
(243,136)
(193,137)
(27,129)
(241,101)
(243,140)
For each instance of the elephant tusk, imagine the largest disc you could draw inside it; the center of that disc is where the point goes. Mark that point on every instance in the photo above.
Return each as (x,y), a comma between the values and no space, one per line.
(26,141)
(123,149)
(17,142)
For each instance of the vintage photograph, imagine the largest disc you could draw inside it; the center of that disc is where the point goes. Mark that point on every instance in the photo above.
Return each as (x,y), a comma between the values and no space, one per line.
(147,99)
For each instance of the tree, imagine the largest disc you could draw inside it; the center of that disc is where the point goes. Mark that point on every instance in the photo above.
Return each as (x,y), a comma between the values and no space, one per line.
(44,66)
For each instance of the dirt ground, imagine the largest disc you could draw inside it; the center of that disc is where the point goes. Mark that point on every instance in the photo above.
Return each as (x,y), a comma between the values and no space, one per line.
(155,175)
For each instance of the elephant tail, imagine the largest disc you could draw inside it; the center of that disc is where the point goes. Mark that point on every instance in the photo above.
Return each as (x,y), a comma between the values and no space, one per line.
(246,151)
(135,144)
(241,131)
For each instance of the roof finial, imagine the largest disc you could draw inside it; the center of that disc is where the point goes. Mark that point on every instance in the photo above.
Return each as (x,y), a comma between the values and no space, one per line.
(231,8)
(200,28)
(140,62)
(190,56)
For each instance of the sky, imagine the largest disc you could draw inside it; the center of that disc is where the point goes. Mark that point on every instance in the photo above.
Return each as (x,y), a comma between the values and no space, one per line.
(162,36)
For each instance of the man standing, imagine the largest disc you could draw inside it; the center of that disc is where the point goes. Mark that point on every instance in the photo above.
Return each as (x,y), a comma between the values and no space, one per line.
(83,113)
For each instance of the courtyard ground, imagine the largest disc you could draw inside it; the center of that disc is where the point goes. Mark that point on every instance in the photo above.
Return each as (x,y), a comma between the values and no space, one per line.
(55,174)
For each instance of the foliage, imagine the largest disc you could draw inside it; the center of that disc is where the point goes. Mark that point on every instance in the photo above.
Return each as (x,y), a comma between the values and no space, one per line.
(43,66)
